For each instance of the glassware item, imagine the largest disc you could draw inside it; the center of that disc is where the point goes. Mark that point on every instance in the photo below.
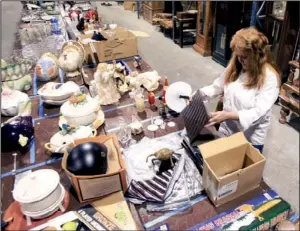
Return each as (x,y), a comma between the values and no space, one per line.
(124,134)
(93,89)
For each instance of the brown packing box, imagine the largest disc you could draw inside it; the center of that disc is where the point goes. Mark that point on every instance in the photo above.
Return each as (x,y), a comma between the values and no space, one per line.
(232,167)
(129,5)
(89,188)
(123,46)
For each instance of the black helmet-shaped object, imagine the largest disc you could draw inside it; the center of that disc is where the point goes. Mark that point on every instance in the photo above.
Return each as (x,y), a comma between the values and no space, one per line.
(88,159)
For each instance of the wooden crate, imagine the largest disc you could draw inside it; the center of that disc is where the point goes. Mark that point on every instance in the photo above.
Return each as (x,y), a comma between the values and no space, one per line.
(155,4)
(149,13)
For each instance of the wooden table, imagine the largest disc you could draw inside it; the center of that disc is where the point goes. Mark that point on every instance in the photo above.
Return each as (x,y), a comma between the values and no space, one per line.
(46,125)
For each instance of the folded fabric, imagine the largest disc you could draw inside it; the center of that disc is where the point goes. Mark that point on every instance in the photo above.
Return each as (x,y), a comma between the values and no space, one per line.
(195,116)
(188,185)
(156,189)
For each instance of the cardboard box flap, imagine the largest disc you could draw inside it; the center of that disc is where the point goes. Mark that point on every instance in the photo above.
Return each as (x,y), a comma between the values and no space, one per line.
(223,144)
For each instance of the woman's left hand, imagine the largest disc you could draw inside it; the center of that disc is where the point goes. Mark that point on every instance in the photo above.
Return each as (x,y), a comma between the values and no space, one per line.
(220,116)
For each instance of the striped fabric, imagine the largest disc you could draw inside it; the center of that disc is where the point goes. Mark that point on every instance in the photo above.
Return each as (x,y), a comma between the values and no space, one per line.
(195,116)
(153,190)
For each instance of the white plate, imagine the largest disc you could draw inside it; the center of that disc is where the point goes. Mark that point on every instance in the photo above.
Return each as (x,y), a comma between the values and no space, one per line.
(158,122)
(171,124)
(152,127)
(172,95)
(96,124)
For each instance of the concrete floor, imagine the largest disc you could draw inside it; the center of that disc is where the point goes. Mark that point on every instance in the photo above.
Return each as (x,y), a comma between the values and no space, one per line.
(282,144)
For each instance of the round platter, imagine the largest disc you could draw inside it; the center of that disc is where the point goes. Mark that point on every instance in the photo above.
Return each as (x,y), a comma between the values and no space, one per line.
(173,94)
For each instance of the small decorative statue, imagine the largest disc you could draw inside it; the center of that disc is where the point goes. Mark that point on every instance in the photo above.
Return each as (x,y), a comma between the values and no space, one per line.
(106,84)
(162,154)
(71,58)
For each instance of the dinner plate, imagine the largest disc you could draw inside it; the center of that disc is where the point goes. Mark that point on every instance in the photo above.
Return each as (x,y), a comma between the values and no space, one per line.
(173,94)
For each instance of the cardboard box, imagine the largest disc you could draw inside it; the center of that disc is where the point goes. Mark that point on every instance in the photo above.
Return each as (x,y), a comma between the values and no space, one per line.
(263,212)
(123,46)
(232,167)
(128,5)
(89,188)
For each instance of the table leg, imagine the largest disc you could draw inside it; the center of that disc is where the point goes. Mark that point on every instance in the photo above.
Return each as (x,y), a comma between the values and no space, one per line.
(181,34)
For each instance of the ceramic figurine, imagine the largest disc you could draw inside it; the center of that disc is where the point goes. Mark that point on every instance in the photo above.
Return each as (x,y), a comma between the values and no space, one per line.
(16,76)
(14,102)
(149,80)
(47,67)
(108,92)
(71,58)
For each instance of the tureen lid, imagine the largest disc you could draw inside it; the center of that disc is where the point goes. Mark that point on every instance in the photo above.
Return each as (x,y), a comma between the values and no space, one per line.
(88,106)
(36,186)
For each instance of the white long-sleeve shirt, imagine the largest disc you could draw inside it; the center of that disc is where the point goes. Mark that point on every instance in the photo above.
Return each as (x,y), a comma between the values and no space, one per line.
(252,105)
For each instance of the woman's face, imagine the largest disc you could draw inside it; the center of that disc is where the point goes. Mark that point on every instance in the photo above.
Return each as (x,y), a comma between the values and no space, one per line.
(244,58)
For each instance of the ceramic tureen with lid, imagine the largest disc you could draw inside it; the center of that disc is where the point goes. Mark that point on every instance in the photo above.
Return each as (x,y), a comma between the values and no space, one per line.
(60,141)
(80,109)
(40,194)
(57,93)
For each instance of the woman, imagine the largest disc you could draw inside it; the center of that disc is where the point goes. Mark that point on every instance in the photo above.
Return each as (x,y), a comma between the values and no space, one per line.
(250,85)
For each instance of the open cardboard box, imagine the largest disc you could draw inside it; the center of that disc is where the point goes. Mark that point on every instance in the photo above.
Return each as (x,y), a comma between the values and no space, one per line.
(89,188)
(232,167)
(123,46)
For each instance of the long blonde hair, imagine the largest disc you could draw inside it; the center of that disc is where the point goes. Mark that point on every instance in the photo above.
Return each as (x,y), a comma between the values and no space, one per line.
(255,43)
